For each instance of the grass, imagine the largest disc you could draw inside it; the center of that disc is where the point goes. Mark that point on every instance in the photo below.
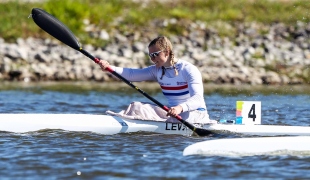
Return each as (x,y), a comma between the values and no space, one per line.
(151,88)
(127,16)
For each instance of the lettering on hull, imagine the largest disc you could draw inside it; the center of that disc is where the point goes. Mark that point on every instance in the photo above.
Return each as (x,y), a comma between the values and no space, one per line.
(175,127)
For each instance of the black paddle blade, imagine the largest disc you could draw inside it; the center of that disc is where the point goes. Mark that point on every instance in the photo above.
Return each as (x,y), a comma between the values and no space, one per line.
(54,27)
(198,130)
(203,132)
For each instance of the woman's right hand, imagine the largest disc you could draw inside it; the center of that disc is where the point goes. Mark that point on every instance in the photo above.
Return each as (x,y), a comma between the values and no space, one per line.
(103,64)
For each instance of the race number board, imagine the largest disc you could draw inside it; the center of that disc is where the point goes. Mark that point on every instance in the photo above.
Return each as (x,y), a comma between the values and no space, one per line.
(248,112)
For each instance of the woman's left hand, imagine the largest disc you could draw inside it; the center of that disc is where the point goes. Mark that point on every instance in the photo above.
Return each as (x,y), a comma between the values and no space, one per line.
(103,64)
(174,111)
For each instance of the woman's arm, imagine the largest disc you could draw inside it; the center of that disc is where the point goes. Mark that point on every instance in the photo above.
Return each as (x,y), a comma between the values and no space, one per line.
(137,75)
(195,85)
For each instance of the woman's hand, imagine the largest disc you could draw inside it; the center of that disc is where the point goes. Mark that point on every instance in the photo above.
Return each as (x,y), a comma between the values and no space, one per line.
(174,111)
(103,64)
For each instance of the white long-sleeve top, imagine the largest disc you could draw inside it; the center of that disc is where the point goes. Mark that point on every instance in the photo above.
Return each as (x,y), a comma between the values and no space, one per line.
(190,74)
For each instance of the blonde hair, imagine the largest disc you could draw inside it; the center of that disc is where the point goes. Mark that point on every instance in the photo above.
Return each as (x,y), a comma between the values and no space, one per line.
(164,44)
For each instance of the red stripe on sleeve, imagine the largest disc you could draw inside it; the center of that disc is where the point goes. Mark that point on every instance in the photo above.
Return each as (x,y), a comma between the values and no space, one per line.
(174,88)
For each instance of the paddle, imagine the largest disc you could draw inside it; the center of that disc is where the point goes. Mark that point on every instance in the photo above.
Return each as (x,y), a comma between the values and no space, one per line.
(61,32)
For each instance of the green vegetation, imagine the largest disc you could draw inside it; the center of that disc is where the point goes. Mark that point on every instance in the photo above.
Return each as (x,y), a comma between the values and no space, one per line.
(151,88)
(128,16)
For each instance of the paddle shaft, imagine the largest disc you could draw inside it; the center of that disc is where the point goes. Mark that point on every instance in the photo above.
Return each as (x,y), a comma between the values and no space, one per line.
(199,131)
(96,60)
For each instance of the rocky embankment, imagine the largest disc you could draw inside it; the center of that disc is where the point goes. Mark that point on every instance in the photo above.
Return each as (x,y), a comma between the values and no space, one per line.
(258,54)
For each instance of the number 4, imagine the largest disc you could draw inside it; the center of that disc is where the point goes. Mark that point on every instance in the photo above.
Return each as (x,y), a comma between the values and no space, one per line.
(251,113)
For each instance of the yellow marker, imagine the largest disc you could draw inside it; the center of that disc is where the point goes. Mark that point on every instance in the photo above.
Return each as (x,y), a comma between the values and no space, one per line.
(239,105)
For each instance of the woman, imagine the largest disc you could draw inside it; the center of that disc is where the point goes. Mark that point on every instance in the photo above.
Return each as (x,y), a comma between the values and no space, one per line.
(181,81)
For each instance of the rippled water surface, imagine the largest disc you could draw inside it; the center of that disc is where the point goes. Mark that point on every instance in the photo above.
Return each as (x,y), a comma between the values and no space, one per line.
(58,154)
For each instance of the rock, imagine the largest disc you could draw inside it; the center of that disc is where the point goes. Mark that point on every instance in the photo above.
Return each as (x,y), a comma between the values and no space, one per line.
(104,35)
(281,56)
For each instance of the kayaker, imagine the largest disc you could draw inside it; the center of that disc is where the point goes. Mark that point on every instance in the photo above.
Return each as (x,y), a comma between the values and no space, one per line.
(180,81)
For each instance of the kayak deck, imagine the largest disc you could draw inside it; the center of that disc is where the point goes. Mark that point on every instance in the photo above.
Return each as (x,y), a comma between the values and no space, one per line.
(262,130)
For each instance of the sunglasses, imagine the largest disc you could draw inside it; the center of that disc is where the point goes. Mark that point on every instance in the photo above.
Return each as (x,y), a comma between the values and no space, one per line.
(154,54)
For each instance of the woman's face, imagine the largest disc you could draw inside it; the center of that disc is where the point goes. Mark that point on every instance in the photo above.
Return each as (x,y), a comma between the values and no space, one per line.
(159,57)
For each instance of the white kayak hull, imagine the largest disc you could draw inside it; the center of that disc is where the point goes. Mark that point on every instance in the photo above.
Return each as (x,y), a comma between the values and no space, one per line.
(103,124)
(106,124)
(291,145)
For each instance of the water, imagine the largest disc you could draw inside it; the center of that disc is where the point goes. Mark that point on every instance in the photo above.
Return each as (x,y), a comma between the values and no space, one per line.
(58,154)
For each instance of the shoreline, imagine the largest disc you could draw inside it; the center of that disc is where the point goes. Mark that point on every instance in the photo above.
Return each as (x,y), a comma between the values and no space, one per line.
(273,58)
(151,88)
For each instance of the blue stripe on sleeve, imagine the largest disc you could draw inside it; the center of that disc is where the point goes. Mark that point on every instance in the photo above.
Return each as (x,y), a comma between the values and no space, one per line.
(176,94)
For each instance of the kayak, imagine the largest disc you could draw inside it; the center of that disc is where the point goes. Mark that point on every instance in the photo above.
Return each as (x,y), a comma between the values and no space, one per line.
(289,145)
(107,124)
(103,124)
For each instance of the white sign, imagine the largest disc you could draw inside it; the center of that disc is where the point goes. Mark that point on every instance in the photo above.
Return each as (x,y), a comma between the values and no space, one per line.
(248,112)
